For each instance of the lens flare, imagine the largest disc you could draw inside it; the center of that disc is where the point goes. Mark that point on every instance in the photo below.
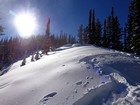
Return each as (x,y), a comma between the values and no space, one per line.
(26,24)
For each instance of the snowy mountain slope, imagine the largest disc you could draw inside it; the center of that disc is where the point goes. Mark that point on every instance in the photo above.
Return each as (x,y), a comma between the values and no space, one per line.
(74,75)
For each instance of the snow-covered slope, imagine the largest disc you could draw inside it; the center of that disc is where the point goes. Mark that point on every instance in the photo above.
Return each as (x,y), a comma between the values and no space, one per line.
(74,75)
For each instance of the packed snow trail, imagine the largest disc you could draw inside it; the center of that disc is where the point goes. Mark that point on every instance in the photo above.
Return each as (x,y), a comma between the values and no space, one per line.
(74,75)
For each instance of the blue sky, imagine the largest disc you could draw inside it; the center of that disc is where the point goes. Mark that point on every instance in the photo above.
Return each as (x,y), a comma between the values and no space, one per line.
(65,15)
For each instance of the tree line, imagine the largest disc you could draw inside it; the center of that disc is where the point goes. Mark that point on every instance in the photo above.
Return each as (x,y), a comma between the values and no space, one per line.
(110,34)
(16,48)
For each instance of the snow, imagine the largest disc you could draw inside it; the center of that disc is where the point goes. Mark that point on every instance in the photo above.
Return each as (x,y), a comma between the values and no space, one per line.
(73,75)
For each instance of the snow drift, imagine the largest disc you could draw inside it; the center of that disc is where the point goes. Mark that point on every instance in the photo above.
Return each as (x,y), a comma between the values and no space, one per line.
(74,75)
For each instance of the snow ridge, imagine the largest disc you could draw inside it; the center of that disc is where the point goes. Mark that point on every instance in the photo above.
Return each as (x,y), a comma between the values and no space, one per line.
(74,75)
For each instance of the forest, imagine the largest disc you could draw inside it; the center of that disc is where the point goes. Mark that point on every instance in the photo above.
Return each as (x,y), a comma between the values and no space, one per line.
(17,48)
(109,34)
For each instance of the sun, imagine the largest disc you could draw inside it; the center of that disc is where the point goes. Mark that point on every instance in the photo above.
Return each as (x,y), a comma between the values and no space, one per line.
(25,24)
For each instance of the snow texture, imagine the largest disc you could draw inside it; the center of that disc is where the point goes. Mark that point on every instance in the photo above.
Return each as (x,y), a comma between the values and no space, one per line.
(73,75)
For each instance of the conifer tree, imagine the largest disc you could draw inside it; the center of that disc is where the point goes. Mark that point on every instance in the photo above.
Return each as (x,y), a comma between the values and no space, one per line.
(48,28)
(105,36)
(98,33)
(90,28)
(93,27)
(136,28)
(118,35)
(114,31)
(109,31)
(80,34)
(133,27)
(125,46)
(1,30)
(47,37)
(85,35)
(130,26)
(23,62)
(1,48)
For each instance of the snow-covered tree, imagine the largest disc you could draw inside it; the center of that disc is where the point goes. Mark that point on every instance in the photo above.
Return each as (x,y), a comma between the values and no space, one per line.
(23,62)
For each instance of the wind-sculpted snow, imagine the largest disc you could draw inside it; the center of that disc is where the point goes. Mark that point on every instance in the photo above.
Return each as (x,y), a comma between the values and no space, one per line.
(74,75)
(125,65)
(102,94)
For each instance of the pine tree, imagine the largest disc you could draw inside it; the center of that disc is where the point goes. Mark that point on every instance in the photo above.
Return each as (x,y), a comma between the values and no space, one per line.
(1,30)
(114,31)
(47,38)
(90,28)
(93,27)
(133,27)
(109,31)
(69,39)
(136,28)
(118,35)
(32,58)
(1,48)
(98,33)
(105,37)
(85,35)
(130,26)
(80,34)
(48,28)
(37,56)
(125,46)
(23,62)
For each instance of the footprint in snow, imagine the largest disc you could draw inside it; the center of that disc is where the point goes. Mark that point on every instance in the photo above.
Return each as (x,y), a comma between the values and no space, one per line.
(85,84)
(47,97)
(87,77)
(88,67)
(79,83)
(63,65)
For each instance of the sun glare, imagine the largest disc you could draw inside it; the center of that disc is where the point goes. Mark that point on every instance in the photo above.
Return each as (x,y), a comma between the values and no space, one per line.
(25,24)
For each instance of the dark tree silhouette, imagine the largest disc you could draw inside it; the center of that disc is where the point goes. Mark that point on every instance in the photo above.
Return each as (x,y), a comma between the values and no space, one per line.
(130,26)
(91,27)
(105,37)
(98,33)
(114,31)
(125,46)
(80,34)
(85,35)
(136,28)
